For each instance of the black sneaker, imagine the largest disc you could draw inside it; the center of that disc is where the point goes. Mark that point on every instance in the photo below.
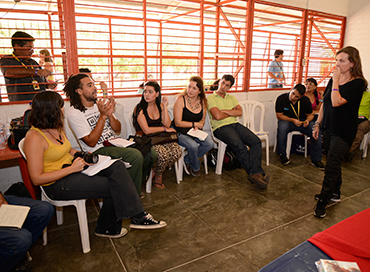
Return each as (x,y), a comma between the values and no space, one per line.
(194,173)
(187,168)
(147,222)
(320,208)
(318,164)
(106,234)
(284,159)
(335,198)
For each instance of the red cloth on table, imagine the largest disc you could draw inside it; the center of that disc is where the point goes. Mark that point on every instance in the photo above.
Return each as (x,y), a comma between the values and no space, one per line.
(348,240)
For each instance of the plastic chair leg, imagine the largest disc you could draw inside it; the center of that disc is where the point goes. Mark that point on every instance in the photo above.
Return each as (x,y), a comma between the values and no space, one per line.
(45,236)
(59,211)
(205,164)
(149,182)
(220,157)
(267,152)
(84,228)
(289,144)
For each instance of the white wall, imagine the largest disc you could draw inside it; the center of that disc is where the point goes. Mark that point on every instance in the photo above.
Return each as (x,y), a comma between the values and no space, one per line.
(358,32)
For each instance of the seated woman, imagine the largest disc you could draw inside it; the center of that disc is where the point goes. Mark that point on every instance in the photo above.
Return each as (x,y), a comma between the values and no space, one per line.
(151,116)
(190,111)
(47,149)
(313,95)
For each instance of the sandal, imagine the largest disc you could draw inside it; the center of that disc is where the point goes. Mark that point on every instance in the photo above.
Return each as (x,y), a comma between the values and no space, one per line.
(158,185)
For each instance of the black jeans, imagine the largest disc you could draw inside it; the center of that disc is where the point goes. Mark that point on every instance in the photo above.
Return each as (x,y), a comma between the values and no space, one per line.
(336,148)
(114,184)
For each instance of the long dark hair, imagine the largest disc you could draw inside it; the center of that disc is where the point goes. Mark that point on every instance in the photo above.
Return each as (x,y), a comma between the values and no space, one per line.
(354,57)
(143,105)
(73,83)
(46,112)
(316,94)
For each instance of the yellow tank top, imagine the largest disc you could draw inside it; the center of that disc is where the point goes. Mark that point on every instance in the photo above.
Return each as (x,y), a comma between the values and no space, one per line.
(56,155)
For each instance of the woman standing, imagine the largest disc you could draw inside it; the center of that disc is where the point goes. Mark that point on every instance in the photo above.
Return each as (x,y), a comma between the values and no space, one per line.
(190,111)
(151,116)
(313,95)
(47,63)
(48,150)
(338,120)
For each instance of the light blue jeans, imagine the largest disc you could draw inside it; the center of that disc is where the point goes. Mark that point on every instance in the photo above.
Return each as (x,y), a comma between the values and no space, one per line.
(196,149)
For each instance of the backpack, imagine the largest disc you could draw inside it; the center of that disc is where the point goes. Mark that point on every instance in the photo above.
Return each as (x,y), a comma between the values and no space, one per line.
(230,160)
(212,157)
(18,130)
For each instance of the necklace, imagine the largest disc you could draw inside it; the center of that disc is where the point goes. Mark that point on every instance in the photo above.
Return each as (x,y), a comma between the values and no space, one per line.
(194,108)
(58,140)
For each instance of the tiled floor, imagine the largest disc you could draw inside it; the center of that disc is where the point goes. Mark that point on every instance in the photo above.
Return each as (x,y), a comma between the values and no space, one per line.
(215,223)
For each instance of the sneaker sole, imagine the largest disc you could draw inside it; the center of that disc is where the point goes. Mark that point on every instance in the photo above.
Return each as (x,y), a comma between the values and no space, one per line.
(320,168)
(319,216)
(336,200)
(119,235)
(262,185)
(161,224)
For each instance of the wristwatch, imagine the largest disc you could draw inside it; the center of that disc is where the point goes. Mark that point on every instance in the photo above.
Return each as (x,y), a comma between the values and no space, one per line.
(36,71)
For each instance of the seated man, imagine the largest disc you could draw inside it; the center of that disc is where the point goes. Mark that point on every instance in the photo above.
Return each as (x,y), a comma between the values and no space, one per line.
(14,243)
(363,125)
(224,108)
(93,122)
(294,112)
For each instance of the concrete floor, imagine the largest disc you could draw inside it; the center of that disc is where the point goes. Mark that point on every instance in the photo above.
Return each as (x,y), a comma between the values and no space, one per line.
(215,223)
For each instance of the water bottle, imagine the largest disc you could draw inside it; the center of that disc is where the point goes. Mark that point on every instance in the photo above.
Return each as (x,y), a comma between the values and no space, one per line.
(2,137)
(7,128)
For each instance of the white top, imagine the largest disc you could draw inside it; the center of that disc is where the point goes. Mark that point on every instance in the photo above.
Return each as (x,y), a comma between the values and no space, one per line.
(82,123)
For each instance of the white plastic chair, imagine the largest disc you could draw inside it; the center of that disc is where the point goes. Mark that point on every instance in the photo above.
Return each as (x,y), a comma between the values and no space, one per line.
(80,205)
(289,142)
(131,129)
(250,109)
(221,145)
(364,144)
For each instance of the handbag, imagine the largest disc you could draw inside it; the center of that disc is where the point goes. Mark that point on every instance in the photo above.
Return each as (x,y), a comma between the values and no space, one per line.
(164,137)
(142,143)
(18,130)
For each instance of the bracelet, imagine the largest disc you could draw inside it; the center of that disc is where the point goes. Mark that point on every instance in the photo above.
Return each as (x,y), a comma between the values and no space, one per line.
(335,90)
(192,124)
(321,100)
(36,71)
(164,129)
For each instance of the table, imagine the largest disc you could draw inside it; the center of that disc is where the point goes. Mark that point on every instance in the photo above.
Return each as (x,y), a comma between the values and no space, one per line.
(9,154)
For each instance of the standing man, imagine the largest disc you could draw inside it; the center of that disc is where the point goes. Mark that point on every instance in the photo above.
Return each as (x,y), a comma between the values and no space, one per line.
(93,122)
(276,70)
(23,75)
(224,108)
(294,112)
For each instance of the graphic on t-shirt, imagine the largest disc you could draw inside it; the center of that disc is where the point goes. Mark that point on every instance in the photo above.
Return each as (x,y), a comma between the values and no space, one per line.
(107,131)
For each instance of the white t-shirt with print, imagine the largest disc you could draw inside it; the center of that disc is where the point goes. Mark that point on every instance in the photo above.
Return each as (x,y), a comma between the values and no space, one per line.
(82,123)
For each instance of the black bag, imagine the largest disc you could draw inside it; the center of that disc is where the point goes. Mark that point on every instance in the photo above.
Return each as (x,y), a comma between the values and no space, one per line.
(230,160)
(18,130)
(18,189)
(212,157)
(163,137)
(142,143)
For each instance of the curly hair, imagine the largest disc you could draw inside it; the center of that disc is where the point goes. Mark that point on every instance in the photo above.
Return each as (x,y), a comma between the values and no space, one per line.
(73,83)
(46,111)
(200,85)
(143,105)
